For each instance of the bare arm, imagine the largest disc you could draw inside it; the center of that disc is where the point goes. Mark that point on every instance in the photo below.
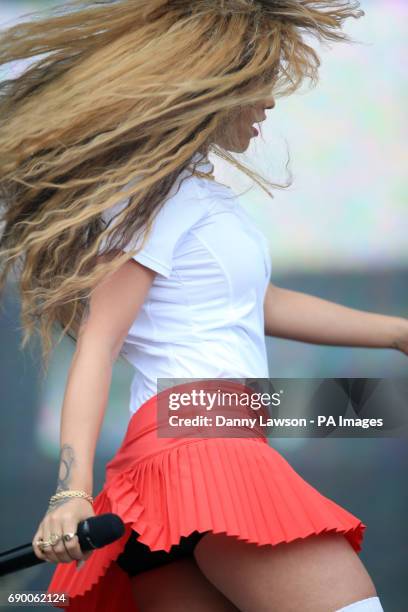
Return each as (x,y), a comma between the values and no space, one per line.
(82,414)
(113,307)
(306,318)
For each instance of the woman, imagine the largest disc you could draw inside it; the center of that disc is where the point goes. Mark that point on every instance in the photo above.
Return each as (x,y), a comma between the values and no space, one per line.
(116,124)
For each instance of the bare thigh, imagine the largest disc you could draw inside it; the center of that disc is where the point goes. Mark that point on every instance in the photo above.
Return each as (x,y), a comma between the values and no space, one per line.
(179,585)
(320,573)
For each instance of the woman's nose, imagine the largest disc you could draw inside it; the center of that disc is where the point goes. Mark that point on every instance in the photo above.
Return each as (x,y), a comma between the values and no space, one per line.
(270,103)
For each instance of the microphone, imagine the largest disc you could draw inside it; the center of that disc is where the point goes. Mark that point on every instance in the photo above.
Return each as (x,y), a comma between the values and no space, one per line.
(93,532)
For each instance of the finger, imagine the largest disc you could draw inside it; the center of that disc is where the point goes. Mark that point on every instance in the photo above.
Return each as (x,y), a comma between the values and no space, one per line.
(72,546)
(69,551)
(35,544)
(45,552)
(53,553)
(60,549)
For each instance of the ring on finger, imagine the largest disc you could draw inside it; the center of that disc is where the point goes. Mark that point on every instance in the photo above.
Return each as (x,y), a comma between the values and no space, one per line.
(54,538)
(67,551)
(68,536)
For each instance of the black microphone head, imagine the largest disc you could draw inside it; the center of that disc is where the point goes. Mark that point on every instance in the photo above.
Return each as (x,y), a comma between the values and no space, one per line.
(97,531)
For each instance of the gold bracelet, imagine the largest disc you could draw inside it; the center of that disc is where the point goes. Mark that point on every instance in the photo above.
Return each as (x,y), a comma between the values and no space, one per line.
(70,493)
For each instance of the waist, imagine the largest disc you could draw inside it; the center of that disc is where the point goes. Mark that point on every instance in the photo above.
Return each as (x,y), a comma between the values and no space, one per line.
(148,432)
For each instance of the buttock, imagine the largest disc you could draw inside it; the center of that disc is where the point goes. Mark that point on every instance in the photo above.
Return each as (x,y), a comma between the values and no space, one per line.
(137,557)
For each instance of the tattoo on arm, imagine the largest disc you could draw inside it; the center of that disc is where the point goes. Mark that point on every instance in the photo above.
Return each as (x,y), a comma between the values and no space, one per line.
(67,460)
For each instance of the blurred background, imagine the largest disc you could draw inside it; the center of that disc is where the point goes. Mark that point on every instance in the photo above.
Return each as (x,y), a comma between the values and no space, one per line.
(339,232)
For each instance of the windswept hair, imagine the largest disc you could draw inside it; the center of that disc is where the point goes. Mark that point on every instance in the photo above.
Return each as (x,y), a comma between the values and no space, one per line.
(127,88)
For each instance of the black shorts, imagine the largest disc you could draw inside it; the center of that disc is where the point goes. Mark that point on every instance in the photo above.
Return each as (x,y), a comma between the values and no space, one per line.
(136,557)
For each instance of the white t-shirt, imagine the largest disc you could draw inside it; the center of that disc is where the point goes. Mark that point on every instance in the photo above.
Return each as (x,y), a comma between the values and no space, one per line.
(203,315)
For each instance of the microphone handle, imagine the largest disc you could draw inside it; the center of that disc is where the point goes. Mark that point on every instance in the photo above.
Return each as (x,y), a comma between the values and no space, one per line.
(104,528)
(17,561)
(24,556)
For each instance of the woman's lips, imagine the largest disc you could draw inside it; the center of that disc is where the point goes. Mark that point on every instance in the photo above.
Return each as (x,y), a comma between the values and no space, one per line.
(254,131)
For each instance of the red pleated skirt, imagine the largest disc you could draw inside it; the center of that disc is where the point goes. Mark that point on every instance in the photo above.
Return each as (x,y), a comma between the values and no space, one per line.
(165,488)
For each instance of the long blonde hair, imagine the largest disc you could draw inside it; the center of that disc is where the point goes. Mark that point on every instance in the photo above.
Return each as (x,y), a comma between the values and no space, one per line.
(128,88)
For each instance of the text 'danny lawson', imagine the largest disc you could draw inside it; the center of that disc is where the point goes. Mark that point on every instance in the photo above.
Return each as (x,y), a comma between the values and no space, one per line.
(357,407)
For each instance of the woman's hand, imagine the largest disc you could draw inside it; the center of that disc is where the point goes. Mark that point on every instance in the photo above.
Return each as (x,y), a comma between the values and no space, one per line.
(60,520)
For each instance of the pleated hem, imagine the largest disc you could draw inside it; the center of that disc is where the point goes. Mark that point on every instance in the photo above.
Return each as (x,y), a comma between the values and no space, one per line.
(240,487)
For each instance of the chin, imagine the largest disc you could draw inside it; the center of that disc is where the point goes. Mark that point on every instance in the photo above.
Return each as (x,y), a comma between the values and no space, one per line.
(239,148)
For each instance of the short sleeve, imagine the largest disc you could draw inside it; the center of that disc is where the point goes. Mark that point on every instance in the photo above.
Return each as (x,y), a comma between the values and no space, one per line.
(179,213)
